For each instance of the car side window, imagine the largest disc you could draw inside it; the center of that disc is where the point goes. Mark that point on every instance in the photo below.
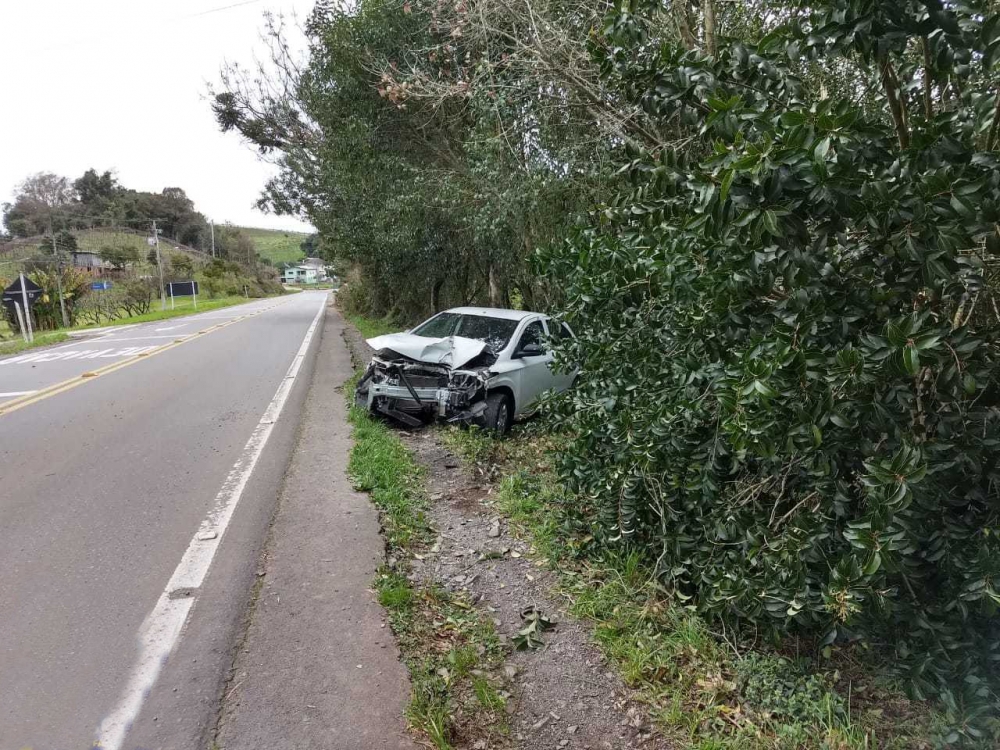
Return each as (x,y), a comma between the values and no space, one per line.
(564,332)
(533,334)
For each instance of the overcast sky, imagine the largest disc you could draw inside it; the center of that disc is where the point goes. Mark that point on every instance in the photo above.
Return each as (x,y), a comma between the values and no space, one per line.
(121,85)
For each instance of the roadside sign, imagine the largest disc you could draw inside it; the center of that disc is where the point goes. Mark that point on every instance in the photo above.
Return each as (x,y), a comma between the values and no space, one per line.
(182,288)
(14,293)
(100,286)
(18,298)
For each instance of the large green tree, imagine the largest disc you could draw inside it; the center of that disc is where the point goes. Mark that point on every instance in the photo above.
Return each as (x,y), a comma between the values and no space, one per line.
(430,147)
(47,202)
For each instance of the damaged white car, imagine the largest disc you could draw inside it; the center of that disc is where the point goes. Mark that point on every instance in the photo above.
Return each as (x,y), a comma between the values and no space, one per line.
(476,365)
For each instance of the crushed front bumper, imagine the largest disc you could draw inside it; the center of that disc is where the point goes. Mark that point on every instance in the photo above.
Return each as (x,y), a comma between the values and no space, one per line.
(416,393)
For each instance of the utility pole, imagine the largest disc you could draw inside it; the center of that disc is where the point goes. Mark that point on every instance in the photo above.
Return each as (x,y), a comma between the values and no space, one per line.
(159,266)
(212,225)
(62,301)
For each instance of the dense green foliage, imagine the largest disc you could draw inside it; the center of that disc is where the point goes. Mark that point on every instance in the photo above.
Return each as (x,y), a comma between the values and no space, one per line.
(427,148)
(784,294)
(785,397)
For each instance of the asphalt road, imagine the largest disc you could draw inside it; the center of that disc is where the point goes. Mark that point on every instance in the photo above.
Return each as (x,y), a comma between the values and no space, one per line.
(138,474)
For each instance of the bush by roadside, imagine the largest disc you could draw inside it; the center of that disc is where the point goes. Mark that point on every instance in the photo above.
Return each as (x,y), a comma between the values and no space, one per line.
(707,689)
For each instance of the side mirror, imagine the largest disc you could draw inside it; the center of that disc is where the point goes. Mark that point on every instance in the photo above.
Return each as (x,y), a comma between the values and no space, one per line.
(529,350)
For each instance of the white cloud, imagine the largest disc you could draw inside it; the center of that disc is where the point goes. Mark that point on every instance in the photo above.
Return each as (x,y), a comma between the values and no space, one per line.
(121,85)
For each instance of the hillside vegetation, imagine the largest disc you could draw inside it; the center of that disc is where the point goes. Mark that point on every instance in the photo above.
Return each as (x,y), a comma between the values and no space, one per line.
(276,245)
(97,241)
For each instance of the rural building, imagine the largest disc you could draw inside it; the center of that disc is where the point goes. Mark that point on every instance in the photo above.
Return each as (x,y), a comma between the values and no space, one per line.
(309,271)
(88,260)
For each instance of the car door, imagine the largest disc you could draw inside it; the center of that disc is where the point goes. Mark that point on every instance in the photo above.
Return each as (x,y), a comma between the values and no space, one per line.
(560,380)
(532,371)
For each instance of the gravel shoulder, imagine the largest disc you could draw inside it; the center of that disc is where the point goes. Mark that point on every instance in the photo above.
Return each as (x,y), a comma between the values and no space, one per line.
(563,695)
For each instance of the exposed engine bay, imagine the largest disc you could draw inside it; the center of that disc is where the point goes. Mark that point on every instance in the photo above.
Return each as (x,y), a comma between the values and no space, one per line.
(417,380)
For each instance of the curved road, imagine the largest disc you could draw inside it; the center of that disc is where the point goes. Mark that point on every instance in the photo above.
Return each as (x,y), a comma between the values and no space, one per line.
(133,505)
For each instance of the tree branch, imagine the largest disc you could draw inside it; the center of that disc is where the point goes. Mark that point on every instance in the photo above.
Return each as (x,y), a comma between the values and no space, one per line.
(891,85)
(928,102)
(684,24)
(991,142)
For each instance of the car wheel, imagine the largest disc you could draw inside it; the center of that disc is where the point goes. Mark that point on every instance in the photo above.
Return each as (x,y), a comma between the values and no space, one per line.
(499,414)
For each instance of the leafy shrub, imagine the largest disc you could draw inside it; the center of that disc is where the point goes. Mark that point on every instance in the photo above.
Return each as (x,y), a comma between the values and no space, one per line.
(95,308)
(46,312)
(776,687)
(126,298)
(783,398)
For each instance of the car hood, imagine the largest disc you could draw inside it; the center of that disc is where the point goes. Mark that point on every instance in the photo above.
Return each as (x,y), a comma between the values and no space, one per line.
(453,351)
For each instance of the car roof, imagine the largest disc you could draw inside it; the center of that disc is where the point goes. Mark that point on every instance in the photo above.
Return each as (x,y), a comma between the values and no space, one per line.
(494,312)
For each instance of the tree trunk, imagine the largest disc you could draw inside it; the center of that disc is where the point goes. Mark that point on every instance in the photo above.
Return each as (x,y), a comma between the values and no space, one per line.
(928,101)
(891,85)
(991,141)
(496,292)
(709,27)
(436,295)
(527,289)
(684,23)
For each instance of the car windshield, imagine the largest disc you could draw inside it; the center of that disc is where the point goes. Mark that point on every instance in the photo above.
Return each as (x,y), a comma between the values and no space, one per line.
(496,332)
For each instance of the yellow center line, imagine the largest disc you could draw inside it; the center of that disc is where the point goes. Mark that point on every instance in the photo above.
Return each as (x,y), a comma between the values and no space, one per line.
(77,380)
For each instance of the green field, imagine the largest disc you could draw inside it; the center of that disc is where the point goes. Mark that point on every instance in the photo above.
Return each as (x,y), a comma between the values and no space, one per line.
(276,245)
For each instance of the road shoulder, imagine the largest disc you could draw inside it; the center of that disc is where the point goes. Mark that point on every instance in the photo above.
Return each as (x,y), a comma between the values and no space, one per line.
(318,666)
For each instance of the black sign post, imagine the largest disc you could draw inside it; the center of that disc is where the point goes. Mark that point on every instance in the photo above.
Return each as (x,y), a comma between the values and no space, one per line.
(22,294)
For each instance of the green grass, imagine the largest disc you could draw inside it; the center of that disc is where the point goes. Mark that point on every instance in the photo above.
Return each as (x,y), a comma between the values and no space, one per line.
(371,327)
(93,240)
(182,306)
(449,649)
(16,345)
(276,245)
(381,466)
(705,691)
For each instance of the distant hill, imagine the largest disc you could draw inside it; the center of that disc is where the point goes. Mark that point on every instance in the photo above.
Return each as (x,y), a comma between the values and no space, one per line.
(93,240)
(277,245)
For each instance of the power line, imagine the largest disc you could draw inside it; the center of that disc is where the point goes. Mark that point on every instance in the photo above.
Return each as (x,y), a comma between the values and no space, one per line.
(216,10)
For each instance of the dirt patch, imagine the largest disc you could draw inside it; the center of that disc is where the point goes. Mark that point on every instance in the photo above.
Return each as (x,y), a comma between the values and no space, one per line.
(361,353)
(562,695)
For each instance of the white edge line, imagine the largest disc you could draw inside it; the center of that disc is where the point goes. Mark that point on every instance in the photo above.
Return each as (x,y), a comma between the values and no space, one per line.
(162,628)
(13,394)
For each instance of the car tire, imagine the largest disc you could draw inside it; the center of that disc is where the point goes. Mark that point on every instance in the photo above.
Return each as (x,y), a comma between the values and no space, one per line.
(499,414)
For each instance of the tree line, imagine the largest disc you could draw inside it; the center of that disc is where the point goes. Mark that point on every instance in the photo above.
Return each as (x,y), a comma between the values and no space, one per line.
(47,203)
(775,227)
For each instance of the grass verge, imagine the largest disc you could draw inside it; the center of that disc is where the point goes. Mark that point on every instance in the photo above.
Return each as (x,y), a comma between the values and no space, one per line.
(182,307)
(450,650)
(14,346)
(371,327)
(705,690)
